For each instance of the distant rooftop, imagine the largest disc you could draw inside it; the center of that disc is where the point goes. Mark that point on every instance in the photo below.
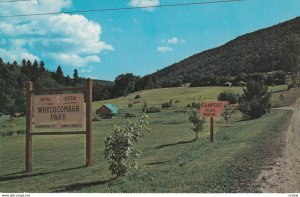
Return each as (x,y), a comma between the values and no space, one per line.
(113,108)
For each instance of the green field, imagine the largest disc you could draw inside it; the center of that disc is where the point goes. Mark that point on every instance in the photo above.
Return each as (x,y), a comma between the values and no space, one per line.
(171,161)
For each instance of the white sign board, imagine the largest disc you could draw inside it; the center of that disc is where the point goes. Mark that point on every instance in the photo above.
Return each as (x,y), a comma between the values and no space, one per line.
(60,111)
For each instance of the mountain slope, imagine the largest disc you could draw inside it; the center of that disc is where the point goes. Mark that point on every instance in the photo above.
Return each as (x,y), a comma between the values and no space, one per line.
(261,51)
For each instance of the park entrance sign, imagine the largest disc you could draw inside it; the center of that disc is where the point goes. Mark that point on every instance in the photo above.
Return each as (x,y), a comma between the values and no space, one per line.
(57,112)
(60,111)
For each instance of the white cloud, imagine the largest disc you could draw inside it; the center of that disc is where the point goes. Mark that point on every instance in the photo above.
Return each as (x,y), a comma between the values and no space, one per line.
(85,70)
(17,55)
(74,59)
(173,40)
(70,40)
(164,49)
(144,3)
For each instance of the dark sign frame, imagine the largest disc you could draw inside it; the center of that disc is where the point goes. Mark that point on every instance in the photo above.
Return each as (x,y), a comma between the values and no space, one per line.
(87,90)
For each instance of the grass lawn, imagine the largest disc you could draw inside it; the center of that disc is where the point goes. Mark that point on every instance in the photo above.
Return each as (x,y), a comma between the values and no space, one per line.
(171,161)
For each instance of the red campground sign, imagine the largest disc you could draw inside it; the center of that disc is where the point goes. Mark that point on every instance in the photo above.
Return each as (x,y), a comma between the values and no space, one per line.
(212,108)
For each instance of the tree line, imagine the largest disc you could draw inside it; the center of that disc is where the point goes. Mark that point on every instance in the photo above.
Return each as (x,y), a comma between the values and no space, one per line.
(13,77)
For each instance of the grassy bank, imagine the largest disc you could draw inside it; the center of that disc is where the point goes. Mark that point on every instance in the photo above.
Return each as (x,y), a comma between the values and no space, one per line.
(170,162)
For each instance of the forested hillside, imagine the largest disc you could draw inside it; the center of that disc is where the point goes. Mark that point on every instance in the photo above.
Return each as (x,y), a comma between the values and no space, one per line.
(13,77)
(262,51)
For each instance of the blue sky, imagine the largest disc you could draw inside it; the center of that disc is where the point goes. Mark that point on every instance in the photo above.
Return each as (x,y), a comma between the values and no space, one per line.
(102,45)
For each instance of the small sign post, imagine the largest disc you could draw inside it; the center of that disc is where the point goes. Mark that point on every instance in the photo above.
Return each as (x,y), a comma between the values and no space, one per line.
(211,130)
(58,111)
(212,109)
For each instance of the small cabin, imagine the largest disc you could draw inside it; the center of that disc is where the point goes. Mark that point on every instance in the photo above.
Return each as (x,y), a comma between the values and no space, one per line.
(107,111)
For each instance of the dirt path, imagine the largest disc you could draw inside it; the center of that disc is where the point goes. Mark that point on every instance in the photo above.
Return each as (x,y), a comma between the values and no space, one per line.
(284,175)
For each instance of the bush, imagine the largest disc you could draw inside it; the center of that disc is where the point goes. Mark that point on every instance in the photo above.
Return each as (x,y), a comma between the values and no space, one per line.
(120,150)
(256,100)
(226,114)
(167,105)
(137,96)
(21,132)
(10,133)
(229,96)
(145,107)
(290,86)
(130,115)
(130,105)
(153,110)
(194,105)
(197,123)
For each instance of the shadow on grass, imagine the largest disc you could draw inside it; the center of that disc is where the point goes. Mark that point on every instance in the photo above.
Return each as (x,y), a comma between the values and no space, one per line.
(79,186)
(10,174)
(18,175)
(155,163)
(173,144)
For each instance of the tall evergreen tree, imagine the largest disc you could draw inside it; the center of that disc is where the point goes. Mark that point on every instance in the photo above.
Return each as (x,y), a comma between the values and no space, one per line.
(23,63)
(42,69)
(35,71)
(75,77)
(68,80)
(59,75)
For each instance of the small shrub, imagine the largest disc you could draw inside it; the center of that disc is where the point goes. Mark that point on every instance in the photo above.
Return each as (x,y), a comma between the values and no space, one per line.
(130,105)
(9,133)
(177,101)
(197,123)
(153,110)
(194,105)
(229,96)
(21,132)
(120,150)
(181,110)
(290,86)
(130,115)
(145,107)
(226,114)
(167,105)
(137,96)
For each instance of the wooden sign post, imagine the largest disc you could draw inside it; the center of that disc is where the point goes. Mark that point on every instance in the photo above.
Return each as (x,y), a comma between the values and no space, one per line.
(211,130)
(58,111)
(88,93)
(212,109)
(28,144)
